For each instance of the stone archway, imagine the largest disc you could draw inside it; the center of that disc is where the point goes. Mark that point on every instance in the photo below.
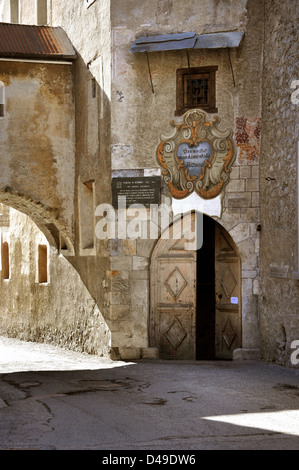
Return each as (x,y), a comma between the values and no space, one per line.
(196,294)
(43,297)
(46,219)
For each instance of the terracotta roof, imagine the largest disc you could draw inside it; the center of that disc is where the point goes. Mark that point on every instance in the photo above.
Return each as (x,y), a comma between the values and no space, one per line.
(34,42)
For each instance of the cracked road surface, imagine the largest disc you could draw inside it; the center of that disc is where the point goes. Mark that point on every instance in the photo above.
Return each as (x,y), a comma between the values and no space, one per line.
(56,399)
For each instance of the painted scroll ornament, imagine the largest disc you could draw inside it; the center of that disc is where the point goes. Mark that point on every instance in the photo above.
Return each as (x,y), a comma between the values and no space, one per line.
(197,157)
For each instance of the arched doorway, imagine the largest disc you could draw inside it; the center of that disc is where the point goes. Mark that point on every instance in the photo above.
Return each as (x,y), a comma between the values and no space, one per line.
(196,294)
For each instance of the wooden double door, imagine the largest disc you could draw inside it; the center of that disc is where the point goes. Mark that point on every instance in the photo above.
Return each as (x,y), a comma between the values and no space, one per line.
(196,294)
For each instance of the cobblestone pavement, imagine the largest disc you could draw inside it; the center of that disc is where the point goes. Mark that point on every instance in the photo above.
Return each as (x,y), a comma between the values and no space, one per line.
(56,399)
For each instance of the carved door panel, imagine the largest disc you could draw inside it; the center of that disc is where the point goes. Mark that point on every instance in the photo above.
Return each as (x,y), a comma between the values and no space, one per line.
(228,296)
(173,316)
(180,328)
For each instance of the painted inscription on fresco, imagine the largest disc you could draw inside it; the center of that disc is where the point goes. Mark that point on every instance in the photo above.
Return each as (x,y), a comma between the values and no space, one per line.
(194,157)
(198,156)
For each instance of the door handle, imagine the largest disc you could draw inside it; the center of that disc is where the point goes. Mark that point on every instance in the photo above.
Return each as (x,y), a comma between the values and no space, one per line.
(219,295)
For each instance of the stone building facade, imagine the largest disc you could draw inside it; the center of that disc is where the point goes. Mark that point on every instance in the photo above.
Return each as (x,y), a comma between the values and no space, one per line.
(278,301)
(98,123)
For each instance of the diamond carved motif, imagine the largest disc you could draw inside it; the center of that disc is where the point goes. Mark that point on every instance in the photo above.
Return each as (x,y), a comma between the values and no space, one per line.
(175,334)
(175,283)
(229,334)
(229,282)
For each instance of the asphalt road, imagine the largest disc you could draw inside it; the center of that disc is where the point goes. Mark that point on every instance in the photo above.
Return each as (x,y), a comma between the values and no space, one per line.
(56,399)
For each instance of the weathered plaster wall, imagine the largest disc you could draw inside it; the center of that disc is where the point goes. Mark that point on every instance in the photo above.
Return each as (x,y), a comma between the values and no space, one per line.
(60,311)
(5,12)
(86,157)
(139,117)
(134,136)
(89,30)
(37,139)
(279,315)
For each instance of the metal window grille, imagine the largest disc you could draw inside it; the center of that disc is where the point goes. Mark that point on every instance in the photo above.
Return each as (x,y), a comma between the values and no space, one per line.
(196,88)
(196,91)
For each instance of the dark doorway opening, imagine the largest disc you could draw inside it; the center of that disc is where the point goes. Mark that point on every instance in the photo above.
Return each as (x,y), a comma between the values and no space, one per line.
(205,305)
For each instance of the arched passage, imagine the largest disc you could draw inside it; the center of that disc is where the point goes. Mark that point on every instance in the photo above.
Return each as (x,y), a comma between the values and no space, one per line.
(196,293)
(46,219)
(42,296)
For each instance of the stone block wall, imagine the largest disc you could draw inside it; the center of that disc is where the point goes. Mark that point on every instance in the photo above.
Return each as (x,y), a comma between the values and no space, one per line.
(279,290)
(241,217)
(129,296)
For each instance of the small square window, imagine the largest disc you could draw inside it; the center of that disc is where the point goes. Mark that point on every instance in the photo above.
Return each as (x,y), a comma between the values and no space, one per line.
(196,88)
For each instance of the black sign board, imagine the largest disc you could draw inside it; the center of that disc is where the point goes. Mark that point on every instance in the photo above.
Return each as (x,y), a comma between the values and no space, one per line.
(145,190)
